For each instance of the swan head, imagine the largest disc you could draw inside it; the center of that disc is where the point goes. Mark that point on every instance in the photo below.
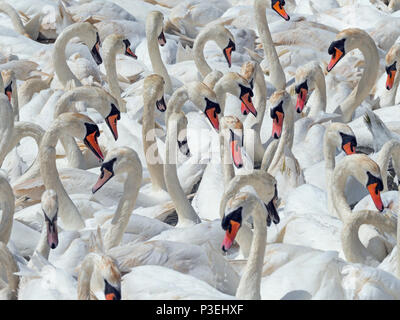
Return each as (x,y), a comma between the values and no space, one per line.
(391,58)
(49,203)
(279,104)
(8,82)
(119,44)
(346,41)
(105,281)
(89,36)
(82,127)
(118,161)
(182,123)
(205,100)
(153,86)
(232,126)
(368,173)
(342,136)
(155,25)
(305,83)
(238,209)
(238,86)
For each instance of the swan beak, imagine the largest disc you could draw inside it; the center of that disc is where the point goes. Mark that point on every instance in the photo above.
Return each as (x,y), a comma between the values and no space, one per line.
(247,104)
(230,235)
(390,79)
(160,104)
(8,91)
(104,177)
(349,148)
(279,9)
(91,142)
(272,212)
(236,144)
(112,119)
(52,234)
(228,52)
(130,53)
(376,195)
(212,110)
(96,51)
(301,100)
(184,147)
(110,292)
(161,39)
(277,116)
(336,56)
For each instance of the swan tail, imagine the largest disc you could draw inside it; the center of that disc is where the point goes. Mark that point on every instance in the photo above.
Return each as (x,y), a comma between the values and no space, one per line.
(380,133)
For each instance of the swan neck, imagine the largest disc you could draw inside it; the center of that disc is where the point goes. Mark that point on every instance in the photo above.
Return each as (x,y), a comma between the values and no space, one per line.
(7,206)
(198,50)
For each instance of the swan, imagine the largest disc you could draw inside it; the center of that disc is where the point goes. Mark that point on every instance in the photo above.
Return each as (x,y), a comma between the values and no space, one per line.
(392,80)
(346,41)
(98,279)
(134,253)
(249,285)
(277,76)
(8,290)
(115,44)
(87,33)
(73,124)
(97,98)
(30,29)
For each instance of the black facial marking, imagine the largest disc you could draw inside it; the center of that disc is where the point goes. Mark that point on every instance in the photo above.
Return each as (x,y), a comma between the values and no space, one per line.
(95,52)
(339,44)
(244,90)
(278,108)
(372,179)
(346,138)
(301,86)
(109,289)
(272,213)
(109,166)
(9,88)
(235,215)
(160,104)
(127,43)
(391,68)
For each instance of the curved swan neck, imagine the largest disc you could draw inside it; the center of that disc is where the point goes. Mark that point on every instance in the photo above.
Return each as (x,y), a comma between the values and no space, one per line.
(6,126)
(29,88)
(320,94)
(185,211)
(7,205)
(84,277)
(370,52)
(15,18)
(68,212)
(198,49)
(227,167)
(249,285)
(277,76)
(126,204)
(61,68)
(110,51)
(155,56)
(255,123)
(353,249)
(338,183)
(7,263)
(389,150)
(155,166)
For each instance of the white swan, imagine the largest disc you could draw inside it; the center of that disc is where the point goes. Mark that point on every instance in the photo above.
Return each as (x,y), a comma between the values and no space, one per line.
(346,41)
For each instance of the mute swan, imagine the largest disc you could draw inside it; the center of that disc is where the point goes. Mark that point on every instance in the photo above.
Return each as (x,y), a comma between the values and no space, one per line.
(115,44)
(346,41)
(87,33)
(83,128)
(129,255)
(392,81)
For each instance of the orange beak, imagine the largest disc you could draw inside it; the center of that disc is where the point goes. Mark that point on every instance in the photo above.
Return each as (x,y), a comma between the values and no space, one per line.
(212,116)
(247,105)
(280,10)
(130,53)
(9,95)
(277,125)
(390,79)
(110,296)
(104,177)
(92,144)
(301,100)
(335,59)
(112,124)
(236,153)
(376,196)
(228,55)
(230,235)
(348,148)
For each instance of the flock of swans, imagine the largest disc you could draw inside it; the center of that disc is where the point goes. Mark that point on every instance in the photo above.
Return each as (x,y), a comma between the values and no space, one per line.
(221,149)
